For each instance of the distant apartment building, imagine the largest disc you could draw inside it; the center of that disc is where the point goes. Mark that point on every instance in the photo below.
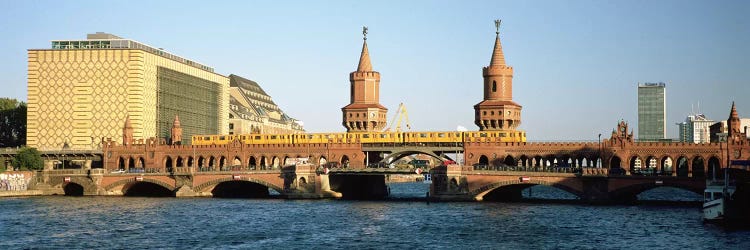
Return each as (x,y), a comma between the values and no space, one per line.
(652,111)
(718,131)
(695,129)
(251,110)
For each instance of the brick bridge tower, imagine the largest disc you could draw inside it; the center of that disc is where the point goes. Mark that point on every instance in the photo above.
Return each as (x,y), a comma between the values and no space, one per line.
(176,131)
(498,112)
(127,132)
(364,112)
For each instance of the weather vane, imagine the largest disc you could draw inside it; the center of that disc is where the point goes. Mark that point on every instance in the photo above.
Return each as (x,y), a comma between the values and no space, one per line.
(364,31)
(497,26)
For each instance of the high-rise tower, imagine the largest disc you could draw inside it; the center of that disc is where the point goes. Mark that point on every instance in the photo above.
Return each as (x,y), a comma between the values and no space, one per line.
(652,110)
(498,112)
(364,112)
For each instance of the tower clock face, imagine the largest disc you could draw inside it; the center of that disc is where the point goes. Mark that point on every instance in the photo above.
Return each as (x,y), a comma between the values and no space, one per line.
(372,114)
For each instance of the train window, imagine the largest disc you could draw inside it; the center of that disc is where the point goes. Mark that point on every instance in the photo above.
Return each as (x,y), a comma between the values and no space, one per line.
(423,135)
(365,136)
(206,138)
(458,134)
(383,135)
(482,134)
(441,135)
(257,137)
(309,136)
(273,137)
(503,134)
(243,137)
(222,137)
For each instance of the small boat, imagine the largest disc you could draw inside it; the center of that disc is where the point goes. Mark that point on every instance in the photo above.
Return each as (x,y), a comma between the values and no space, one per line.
(717,201)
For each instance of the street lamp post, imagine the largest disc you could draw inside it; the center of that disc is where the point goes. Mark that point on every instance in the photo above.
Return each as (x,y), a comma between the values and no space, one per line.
(599,164)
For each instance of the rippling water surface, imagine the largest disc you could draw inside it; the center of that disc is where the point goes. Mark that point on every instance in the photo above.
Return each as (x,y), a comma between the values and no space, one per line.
(120,222)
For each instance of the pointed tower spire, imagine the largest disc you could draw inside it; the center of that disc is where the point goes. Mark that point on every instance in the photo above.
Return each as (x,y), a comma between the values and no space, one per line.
(498,59)
(733,123)
(733,113)
(364,58)
(127,132)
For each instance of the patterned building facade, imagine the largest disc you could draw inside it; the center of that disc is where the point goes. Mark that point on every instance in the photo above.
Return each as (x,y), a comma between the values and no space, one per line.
(80,91)
(252,110)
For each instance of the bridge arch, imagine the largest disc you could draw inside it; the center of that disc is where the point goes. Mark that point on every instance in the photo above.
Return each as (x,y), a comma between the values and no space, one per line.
(665,164)
(78,186)
(615,162)
(631,192)
(510,161)
(635,163)
(210,185)
(698,167)
(129,183)
(483,160)
(395,156)
(683,166)
(252,162)
(168,162)
(714,167)
(479,193)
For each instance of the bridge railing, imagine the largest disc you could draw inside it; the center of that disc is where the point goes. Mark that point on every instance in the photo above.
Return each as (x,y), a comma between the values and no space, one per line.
(527,169)
(235,168)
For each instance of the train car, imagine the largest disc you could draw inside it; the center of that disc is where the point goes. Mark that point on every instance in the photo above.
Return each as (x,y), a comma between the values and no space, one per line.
(434,137)
(495,136)
(212,139)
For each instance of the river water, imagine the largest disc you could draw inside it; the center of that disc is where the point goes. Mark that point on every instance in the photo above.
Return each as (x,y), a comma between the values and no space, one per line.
(190,223)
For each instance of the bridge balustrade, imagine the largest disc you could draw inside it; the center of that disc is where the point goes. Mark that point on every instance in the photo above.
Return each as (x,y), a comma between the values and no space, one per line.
(526,169)
(235,168)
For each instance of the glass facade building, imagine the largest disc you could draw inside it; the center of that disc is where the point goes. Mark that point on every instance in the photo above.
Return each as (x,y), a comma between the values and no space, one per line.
(652,109)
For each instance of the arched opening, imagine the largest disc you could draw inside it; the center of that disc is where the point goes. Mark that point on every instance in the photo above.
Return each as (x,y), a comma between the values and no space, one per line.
(251,163)
(322,161)
(682,166)
(483,160)
(190,161)
(525,161)
(211,162)
(345,161)
(120,163)
(131,163)
(509,161)
(538,161)
(263,162)
(698,167)
(146,189)
(240,189)
(73,189)
(237,162)
(302,181)
(180,162)
(201,161)
(714,168)
(666,166)
(527,192)
(494,86)
(635,165)
(614,166)
(168,162)
(222,162)
(275,162)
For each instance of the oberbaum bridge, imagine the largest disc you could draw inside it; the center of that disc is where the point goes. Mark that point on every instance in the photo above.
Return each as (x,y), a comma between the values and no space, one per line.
(498,162)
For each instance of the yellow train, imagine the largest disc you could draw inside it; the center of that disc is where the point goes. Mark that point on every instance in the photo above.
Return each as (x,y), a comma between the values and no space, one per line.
(365,137)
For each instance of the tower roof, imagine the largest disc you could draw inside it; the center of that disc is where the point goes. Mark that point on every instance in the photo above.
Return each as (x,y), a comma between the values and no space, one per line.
(127,122)
(733,113)
(498,59)
(176,123)
(364,59)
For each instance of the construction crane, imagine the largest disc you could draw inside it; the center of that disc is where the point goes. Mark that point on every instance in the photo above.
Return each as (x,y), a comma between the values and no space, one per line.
(401,114)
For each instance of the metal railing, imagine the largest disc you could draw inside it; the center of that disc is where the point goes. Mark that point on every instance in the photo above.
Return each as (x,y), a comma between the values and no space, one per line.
(528,169)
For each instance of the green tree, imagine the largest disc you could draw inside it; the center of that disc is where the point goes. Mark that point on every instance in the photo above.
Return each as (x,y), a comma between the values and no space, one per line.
(28,158)
(12,123)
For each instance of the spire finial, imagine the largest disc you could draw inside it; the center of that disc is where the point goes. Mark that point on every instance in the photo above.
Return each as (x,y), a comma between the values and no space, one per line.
(364,32)
(497,26)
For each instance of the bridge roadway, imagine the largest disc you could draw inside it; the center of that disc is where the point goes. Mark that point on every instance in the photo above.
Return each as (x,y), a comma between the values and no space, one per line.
(449,183)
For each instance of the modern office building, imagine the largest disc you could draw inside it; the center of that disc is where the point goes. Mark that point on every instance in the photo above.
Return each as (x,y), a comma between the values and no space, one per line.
(251,110)
(719,130)
(695,129)
(652,109)
(82,91)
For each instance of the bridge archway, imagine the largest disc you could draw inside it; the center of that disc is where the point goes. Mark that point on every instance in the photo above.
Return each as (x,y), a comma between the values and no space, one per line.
(483,160)
(121,163)
(263,162)
(252,162)
(180,162)
(146,189)
(510,161)
(211,161)
(344,161)
(698,168)
(630,193)
(131,162)
(682,166)
(635,164)
(73,189)
(614,165)
(714,168)
(237,161)
(322,161)
(190,161)
(395,156)
(168,162)
(249,184)
(275,162)
(222,161)
(511,190)
(201,161)
(666,165)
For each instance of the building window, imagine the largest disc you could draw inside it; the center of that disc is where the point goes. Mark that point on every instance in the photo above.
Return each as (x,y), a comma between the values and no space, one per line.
(494,86)
(231,126)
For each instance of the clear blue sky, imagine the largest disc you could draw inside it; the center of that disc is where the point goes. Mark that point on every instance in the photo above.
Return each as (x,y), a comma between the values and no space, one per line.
(577,63)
